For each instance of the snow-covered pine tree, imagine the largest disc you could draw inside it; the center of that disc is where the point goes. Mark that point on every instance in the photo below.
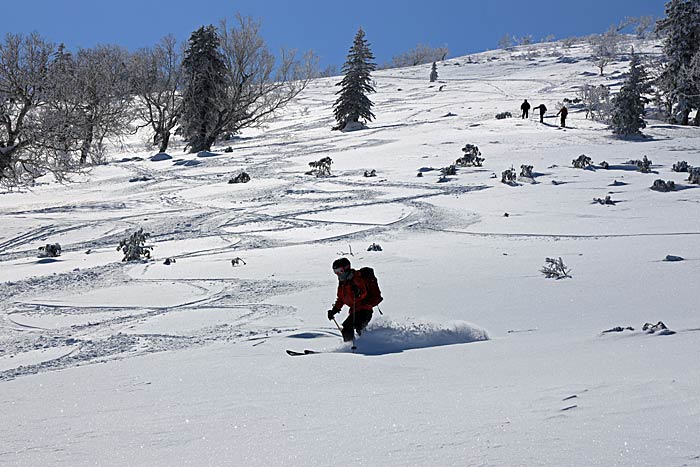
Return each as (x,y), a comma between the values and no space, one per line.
(681,32)
(433,73)
(628,105)
(204,83)
(353,103)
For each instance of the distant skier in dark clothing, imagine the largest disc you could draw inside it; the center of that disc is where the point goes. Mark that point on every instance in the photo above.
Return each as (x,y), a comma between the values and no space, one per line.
(353,292)
(543,109)
(525,107)
(563,112)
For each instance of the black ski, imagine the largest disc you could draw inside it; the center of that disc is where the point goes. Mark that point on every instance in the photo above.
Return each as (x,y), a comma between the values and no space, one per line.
(294,353)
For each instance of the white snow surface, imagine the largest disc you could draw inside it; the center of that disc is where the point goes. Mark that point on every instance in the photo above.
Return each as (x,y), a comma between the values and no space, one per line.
(477,359)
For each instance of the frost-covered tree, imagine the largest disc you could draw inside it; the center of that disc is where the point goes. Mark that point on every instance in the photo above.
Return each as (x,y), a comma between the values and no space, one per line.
(419,55)
(156,76)
(25,88)
(352,103)
(97,98)
(433,73)
(596,101)
(605,48)
(627,117)
(680,30)
(204,72)
(505,42)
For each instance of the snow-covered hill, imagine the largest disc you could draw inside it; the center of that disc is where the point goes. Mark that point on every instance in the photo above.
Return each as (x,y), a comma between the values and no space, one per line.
(478,359)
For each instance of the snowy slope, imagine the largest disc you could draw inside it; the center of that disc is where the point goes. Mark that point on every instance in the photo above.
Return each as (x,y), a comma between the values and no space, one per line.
(477,359)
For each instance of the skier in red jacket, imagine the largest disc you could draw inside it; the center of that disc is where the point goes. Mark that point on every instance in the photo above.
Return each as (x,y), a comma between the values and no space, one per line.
(352,291)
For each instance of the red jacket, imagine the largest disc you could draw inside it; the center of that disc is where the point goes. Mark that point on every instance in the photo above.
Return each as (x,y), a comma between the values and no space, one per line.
(352,293)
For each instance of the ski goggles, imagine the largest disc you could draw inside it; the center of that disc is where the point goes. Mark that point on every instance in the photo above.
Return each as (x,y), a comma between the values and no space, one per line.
(340,271)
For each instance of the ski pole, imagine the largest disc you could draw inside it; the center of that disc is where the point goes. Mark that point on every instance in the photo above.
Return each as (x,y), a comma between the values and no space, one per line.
(337,325)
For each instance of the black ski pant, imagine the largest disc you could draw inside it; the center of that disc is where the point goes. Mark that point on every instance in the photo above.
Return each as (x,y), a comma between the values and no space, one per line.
(356,321)
(525,113)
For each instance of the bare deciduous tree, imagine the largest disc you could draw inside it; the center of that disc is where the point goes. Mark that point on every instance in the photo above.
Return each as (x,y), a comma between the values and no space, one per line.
(156,77)
(102,95)
(257,85)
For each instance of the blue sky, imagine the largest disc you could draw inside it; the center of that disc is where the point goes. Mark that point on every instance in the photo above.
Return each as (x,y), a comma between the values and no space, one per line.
(328,26)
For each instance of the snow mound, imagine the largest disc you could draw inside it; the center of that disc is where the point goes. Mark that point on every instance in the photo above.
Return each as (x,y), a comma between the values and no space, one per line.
(161,156)
(387,336)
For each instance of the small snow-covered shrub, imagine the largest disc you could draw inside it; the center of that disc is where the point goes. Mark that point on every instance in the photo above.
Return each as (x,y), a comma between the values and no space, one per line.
(470,157)
(604,165)
(502,115)
(242,177)
(604,201)
(555,269)
(374,247)
(526,171)
(643,165)
(508,176)
(447,171)
(581,162)
(370,173)
(50,250)
(169,261)
(660,185)
(694,175)
(321,167)
(659,327)
(134,247)
(228,149)
(680,166)
(237,261)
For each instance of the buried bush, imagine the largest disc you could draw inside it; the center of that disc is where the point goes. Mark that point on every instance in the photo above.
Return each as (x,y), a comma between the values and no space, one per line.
(242,177)
(50,250)
(694,175)
(660,185)
(370,173)
(134,247)
(447,171)
(502,115)
(321,167)
(680,166)
(605,201)
(471,157)
(581,162)
(508,176)
(526,171)
(374,247)
(555,269)
(643,165)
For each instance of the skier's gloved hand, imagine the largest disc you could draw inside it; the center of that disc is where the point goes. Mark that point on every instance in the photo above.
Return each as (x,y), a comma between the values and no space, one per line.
(331,314)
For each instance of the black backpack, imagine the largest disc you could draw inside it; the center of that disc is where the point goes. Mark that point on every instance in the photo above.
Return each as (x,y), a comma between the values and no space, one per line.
(374,295)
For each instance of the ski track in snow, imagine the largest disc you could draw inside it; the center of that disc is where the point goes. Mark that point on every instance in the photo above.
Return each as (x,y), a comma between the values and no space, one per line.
(163,205)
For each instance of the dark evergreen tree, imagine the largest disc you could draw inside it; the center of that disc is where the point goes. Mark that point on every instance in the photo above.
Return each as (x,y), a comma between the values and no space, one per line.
(681,32)
(204,83)
(433,73)
(628,105)
(353,103)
